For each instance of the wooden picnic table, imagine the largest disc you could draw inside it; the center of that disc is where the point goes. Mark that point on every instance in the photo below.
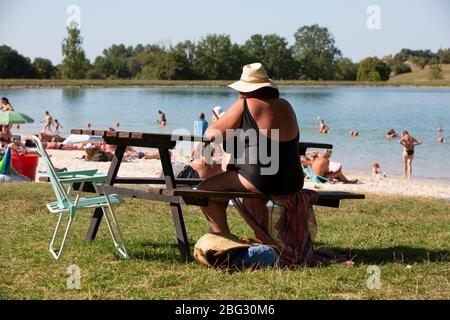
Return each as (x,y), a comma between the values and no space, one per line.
(175,191)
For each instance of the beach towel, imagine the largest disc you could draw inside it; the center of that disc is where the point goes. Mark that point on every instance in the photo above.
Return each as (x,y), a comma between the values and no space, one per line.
(334,166)
(288,224)
(311,176)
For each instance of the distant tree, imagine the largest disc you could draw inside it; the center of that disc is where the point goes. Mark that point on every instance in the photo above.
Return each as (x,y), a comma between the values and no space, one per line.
(94,73)
(14,65)
(57,71)
(117,62)
(435,72)
(216,58)
(316,53)
(43,68)
(399,68)
(444,55)
(273,52)
(75,64)
(346,69)
(164,64)
(185,53)
(373,69)
(406,54)
(418,61)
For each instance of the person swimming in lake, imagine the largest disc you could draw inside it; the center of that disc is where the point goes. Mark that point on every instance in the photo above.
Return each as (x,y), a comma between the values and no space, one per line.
(391,134)
(323,128)
(162,118)
(408,142)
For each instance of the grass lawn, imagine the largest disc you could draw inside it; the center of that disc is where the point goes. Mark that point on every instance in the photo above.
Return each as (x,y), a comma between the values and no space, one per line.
(408,238)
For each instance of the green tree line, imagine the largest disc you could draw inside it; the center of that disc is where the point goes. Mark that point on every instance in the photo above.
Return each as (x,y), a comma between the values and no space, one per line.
(313,56)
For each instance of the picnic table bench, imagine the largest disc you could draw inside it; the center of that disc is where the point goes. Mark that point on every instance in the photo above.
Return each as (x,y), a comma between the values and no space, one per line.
(176,191)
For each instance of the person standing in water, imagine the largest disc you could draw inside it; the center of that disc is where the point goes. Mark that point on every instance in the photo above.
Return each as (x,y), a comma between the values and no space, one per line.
(58,126)
(162,118)
(48,121)
(6,106)
(200,125)
(408,142)
(323,128)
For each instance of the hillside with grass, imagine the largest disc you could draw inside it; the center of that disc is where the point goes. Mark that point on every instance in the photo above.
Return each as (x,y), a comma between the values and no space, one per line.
(421,75)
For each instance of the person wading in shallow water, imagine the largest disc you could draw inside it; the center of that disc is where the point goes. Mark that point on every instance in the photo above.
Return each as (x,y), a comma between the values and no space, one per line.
(408,142)
(162,118)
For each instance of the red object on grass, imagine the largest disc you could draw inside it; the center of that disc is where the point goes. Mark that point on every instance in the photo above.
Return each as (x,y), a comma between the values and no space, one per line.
(26,164)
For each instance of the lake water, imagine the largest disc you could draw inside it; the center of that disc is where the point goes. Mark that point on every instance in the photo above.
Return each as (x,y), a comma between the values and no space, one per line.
(371,111)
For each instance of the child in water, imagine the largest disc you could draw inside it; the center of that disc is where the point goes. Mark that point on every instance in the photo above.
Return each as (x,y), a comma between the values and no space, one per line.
(57,126)
(379,175)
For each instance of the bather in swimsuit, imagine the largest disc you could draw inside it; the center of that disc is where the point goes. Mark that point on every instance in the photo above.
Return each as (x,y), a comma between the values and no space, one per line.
(289,177)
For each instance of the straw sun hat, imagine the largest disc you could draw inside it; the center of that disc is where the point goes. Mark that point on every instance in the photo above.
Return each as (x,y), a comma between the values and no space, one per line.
(254,77)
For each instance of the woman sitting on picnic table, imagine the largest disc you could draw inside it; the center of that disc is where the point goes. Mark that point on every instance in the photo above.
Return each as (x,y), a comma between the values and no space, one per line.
(258,108)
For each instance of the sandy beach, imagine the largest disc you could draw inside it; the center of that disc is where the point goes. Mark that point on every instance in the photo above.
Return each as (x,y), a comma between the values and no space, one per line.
(367,184)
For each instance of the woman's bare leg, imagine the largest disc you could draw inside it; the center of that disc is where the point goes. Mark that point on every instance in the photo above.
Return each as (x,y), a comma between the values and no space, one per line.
(215,212)
(405,165)
(339,176)
(409,163)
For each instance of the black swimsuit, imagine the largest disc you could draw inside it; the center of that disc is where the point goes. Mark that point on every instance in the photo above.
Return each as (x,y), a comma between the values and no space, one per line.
(288,179)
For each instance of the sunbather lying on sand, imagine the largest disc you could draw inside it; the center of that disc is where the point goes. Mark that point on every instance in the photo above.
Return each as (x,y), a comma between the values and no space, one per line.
(95,153)
(324,168)
(54,144)
(130,152)
(46,137)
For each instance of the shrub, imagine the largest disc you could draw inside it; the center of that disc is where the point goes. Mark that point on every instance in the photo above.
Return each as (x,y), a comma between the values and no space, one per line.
(373,69)
(435,72)
(399,68)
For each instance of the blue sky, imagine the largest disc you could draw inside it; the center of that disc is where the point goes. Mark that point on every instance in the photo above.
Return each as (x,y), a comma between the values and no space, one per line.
(36,28)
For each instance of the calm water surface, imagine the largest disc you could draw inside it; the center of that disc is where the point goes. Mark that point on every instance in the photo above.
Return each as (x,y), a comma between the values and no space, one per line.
(371,111)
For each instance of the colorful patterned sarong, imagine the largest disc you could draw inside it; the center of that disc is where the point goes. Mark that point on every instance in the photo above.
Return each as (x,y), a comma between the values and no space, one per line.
(289,225)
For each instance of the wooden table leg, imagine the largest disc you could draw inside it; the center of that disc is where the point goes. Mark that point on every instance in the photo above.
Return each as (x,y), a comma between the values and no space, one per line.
(177,214)
(112,174)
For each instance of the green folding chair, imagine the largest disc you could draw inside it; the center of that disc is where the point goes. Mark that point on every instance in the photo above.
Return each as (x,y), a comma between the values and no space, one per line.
(65,204)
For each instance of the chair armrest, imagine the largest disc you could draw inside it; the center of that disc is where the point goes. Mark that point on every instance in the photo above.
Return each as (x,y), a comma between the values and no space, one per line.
(95,179)
(90,173)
